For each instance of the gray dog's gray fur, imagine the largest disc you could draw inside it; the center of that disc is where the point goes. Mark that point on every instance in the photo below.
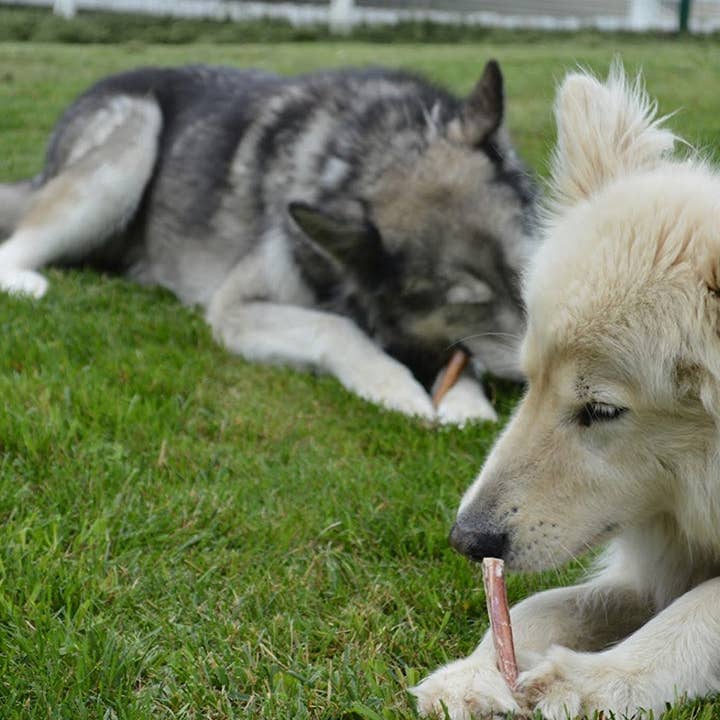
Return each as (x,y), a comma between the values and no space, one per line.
(363,222)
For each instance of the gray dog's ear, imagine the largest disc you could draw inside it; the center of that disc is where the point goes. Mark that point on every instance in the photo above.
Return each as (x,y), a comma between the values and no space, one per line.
(343,231)
(483,110)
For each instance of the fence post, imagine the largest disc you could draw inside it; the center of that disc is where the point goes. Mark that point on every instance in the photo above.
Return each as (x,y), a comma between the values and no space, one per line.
(341,16)
(684,17)
(64,8)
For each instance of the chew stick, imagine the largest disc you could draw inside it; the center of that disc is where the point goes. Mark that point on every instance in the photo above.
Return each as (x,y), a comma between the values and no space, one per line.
(450,376)
(497,606)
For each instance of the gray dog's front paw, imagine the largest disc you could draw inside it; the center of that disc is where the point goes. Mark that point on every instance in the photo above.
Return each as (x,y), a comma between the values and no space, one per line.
(23,282)
(471,688)
(464,403)
(389,384)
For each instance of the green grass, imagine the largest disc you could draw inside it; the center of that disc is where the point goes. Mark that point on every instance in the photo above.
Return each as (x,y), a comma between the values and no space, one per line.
(184,535)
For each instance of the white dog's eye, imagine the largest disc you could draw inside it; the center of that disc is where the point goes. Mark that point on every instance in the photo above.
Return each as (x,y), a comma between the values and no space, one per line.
(595,412)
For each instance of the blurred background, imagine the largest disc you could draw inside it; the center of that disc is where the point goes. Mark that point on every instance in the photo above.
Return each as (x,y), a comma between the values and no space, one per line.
(342,15)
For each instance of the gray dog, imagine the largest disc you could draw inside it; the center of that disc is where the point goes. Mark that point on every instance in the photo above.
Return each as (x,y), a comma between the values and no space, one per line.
(362,222)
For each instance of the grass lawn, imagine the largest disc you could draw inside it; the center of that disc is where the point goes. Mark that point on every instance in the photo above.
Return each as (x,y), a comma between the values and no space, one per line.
(185,535)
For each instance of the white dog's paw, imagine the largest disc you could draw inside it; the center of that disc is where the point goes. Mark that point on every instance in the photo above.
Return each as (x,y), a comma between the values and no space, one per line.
(465,402)
(391,385)
(465,689)
(23,282)
(567,684)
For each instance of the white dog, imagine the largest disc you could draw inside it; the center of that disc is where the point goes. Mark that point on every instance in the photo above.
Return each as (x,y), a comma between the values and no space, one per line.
(617,438)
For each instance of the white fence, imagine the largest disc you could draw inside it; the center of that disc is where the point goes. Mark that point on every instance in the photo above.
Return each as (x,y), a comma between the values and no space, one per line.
(634,15)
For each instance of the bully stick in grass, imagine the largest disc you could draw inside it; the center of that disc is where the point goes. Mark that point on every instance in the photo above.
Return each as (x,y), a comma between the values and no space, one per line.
(499,613)
(450,375)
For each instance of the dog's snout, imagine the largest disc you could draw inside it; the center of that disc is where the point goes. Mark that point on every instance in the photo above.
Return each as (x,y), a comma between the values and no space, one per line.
(477,543)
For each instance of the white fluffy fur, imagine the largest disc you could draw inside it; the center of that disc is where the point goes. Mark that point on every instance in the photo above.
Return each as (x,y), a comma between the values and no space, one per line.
(605,130)
(624,309)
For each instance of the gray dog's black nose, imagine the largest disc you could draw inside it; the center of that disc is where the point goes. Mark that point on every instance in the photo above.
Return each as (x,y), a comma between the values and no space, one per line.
(477,544)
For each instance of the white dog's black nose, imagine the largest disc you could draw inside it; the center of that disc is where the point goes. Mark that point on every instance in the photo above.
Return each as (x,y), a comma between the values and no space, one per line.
(477,544)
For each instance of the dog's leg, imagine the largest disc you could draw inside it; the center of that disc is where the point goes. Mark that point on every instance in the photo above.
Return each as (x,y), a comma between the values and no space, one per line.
(587,616)
(14,201)
(465,402)
(675,655)
(272,332)
(93,196)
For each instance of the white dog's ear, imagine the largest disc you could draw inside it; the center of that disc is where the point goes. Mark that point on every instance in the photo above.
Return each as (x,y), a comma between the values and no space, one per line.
(605,129)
